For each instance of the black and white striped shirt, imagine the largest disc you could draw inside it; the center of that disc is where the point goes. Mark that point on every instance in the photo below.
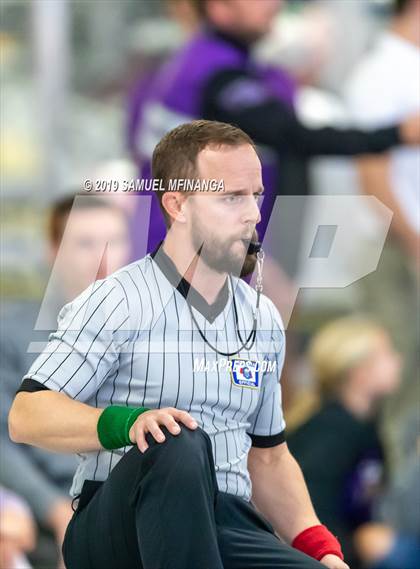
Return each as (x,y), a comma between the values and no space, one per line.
(130,340)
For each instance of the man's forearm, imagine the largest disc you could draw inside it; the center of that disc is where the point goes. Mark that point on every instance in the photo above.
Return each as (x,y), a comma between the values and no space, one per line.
(53,421)
(281,495)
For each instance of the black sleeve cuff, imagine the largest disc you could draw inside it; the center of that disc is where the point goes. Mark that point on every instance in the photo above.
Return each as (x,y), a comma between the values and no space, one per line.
(268,440)
(394,136)
(30,385)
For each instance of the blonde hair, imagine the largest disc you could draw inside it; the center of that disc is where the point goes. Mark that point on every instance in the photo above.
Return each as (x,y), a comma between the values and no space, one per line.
(340,346)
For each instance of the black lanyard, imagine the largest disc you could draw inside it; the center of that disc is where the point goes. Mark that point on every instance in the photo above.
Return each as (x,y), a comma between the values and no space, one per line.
(249,342)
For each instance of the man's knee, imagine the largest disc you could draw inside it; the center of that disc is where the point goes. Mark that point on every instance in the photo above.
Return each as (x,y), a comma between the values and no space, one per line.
(183,458)
(189,454)
(187,441)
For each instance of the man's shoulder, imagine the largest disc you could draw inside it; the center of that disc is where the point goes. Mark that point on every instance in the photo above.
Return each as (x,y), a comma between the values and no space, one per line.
(203,55)
(121,288)
(136,271)
(129,283)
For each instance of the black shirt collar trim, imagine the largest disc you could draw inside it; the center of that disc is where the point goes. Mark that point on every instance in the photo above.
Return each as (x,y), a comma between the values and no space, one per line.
(191,295)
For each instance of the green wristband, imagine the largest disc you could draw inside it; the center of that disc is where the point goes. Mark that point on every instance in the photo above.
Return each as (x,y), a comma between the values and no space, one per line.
(114,425)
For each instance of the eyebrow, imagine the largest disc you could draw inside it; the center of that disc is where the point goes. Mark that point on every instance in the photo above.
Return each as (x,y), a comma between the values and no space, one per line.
(242,192)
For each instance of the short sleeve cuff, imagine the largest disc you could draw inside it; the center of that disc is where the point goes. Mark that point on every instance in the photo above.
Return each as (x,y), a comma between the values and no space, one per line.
(267,441)
(30,386)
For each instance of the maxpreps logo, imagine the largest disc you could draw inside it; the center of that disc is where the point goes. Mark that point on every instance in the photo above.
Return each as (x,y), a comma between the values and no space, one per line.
(245,373)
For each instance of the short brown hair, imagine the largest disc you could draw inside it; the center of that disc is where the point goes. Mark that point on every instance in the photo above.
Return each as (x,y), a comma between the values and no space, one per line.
(175,157)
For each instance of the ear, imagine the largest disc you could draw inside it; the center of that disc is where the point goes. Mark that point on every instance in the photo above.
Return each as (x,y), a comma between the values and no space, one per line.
(173,203)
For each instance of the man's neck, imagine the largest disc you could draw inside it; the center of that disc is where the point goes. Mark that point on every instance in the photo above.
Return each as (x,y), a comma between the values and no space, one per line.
(407,28)
(205,280)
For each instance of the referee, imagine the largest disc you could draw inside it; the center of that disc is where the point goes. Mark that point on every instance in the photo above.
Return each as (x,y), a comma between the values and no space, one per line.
(163,378)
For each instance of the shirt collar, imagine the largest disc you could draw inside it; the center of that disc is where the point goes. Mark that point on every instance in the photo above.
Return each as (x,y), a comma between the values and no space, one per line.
(191,295)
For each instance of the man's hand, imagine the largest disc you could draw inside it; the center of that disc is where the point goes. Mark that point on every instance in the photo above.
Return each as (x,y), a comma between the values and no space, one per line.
(334,562)
(410,130)
(149,421)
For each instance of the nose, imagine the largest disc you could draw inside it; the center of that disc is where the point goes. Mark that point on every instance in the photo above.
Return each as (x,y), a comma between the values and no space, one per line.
(251,214)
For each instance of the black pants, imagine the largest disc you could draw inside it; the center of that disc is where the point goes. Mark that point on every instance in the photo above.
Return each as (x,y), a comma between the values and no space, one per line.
(162,510)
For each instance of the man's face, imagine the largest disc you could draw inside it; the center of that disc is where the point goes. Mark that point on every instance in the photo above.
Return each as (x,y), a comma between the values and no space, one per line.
(95,244)
(223,223)
(250,18)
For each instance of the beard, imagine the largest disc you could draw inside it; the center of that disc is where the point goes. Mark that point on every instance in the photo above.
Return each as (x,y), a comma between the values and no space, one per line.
(218,254)
(249,264)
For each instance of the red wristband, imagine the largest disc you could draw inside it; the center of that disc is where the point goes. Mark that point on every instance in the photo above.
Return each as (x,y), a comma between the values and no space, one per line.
(318,541)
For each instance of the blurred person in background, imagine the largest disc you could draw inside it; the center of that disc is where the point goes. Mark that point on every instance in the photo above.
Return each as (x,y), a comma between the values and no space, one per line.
(394,178)
(384,88)
(215,76)
(394,540)
(183,12)
(17,531)
(87,239)
(339,449)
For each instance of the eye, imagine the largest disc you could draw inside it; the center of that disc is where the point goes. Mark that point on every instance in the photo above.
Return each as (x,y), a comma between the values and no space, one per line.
(232,199)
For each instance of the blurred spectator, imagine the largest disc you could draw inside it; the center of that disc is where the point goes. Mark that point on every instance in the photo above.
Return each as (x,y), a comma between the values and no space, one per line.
(17,531)
(214,76)
(401,503)
(184,13)
(384,88)
(378,545)
(379,98)
(88,238)
(338,448)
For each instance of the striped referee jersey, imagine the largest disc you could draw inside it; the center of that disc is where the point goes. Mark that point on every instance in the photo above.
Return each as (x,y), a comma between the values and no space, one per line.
(145,337)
